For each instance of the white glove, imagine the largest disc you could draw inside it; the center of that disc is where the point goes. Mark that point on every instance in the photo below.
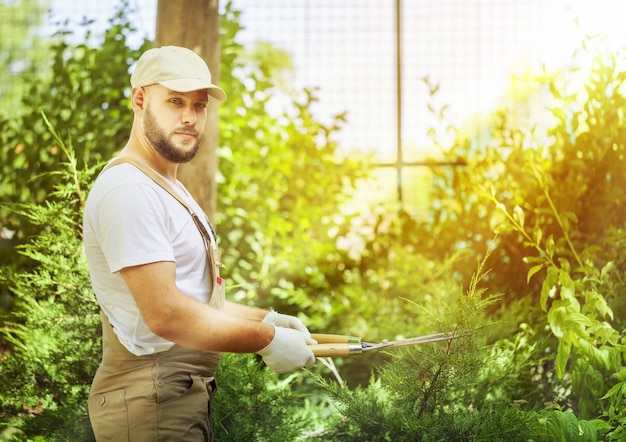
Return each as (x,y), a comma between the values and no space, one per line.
(286,321)
(287,351)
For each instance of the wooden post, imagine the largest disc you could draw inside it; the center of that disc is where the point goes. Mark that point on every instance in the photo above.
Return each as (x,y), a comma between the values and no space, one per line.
(194,24)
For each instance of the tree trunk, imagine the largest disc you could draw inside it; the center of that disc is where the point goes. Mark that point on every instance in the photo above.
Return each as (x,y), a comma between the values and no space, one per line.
(194,24)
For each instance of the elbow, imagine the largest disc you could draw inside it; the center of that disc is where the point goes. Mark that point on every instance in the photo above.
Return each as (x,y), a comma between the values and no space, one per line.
(163,325)
(161,329)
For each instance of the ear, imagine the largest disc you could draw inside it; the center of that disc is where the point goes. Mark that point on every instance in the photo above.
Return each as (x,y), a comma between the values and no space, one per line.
(138,100)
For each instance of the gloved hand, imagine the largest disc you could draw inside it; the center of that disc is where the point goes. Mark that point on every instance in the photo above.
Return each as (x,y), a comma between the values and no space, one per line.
(287,321)
(287,351)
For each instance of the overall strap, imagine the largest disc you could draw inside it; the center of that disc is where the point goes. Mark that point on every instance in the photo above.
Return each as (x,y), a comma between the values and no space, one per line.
(166,186)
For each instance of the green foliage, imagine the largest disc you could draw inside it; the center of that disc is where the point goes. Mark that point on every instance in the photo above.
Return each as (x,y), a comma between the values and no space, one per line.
(250,394)
(518,369)
(280,183)
(553,190)
(573,245)
(84,101)
(554,198)
(421,391)
(578,316)
(575,142)
(562,426)
(436,392)
(21,50)
(46,375)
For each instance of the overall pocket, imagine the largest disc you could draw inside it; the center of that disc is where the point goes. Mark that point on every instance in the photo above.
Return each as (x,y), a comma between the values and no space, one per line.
(108,414)
(184,408)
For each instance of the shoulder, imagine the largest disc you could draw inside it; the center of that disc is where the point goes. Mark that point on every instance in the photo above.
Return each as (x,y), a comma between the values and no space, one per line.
(124,189)
(121,174)
(122,179)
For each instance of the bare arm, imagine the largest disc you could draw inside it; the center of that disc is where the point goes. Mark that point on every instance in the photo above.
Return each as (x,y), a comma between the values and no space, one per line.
(244,311)
(188,322)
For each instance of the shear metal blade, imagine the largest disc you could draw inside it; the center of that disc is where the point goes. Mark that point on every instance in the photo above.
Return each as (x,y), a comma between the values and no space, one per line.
(413,341)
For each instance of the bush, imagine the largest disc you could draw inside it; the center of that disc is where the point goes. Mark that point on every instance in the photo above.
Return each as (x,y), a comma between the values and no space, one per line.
(51,340)
(253,403)
(437,392)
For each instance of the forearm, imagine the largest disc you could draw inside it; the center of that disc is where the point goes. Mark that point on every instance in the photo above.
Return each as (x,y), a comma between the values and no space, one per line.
(245,312)
(197,325)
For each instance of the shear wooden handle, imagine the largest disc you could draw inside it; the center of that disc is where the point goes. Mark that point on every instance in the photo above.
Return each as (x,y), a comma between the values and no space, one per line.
(335,350)
(324,338)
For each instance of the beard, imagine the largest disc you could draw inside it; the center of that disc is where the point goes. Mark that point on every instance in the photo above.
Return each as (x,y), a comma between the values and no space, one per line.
(164,144)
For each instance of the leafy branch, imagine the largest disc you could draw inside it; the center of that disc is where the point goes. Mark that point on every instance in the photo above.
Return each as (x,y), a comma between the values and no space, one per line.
(71,157)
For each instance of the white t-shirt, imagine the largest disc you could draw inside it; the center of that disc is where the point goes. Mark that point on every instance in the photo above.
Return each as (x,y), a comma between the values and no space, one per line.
(130,220)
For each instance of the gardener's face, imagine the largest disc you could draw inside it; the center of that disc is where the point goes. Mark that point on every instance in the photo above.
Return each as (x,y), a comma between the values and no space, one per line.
(173,122)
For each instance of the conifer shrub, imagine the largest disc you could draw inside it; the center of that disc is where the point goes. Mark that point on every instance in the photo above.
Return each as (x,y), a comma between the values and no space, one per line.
(253,403)
(436,391)
(50,340)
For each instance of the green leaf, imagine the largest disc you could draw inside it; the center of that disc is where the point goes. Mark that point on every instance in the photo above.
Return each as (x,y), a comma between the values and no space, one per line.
(569,424)
(599,424)
(533,271)
(553,428)
(557,319)
(537,235)
(608,268)
(578,318)
(562,356)
(519,215)
(550,247)
(617,390)
(532,259)
(605,333)
(548,286)
(568,289)
(597,356)
(595,302)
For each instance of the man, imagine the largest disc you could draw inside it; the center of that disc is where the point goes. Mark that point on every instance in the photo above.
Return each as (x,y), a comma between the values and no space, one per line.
(155,271)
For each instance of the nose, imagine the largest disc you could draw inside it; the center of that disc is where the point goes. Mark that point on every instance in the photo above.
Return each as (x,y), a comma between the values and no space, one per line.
(189,116)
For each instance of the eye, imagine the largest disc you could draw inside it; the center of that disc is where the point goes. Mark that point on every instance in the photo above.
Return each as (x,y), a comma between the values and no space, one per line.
(176,101)
(201,105)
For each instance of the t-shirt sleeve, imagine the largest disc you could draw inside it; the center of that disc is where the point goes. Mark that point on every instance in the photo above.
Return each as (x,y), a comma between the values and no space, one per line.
(133,227)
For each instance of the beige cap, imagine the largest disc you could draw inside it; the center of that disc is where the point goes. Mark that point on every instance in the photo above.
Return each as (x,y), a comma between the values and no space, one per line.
(176,68)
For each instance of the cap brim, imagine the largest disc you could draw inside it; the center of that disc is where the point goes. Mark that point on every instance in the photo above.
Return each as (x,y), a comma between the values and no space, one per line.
(188,85)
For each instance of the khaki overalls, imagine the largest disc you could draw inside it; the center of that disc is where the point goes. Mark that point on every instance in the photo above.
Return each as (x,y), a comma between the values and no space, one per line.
(159,397)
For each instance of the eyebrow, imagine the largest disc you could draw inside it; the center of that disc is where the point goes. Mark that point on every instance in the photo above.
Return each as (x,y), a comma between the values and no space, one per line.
(204,99)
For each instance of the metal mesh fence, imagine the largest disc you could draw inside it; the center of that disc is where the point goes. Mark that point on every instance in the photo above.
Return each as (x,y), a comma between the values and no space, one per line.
(370,58)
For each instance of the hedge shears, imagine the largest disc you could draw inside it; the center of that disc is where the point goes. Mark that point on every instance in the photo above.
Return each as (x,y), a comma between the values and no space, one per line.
(329,345)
